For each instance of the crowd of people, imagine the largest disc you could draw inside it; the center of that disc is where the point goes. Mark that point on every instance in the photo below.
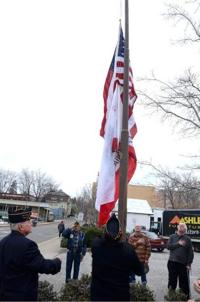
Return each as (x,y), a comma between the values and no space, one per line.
(115,263)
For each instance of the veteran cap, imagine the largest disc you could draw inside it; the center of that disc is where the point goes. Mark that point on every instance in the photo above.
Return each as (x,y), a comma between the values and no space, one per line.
(113,227)
(19,214)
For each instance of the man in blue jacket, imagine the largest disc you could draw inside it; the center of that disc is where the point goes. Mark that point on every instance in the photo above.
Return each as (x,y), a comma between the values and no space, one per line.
(21,260)
(76,250)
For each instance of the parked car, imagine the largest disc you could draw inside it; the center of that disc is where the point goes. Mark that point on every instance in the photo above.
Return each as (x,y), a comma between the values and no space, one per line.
(157,242)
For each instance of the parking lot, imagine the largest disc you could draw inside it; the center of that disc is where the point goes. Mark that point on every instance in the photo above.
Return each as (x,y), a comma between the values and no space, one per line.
(157,276)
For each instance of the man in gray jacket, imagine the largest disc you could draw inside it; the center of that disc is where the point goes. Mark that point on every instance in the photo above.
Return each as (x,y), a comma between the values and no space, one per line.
(180,259)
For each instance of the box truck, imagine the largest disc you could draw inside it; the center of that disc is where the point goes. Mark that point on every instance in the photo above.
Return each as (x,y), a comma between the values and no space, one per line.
(191,217)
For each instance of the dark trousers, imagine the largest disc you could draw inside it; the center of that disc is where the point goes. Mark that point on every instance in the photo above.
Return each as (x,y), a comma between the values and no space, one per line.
(178,271)
(73,257)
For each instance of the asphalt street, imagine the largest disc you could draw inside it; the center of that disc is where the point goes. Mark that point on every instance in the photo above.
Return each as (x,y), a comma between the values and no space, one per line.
(40,233)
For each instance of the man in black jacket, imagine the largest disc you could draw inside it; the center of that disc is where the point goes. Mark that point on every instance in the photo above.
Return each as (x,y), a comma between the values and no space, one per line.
(113,261)
(21,260)
(180,259)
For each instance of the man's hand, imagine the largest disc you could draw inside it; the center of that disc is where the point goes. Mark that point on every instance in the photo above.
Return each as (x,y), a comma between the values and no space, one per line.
(82,257)
(182,242)
(196,285)
(141,240)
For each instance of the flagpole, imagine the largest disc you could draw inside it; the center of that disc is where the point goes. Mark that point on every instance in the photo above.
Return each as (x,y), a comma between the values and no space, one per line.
(122,205)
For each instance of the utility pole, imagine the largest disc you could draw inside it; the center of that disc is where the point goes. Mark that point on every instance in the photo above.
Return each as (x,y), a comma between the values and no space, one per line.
(122,204)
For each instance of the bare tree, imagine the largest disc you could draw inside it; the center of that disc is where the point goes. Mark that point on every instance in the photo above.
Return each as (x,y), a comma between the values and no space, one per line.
(178,190)
(86,203)
(42,184)
(35,183)
(178,102)
(187,15)
(25,181)
(13,187)
(7,179)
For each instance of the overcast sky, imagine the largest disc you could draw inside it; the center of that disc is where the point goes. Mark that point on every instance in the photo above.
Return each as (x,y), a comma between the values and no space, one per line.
(54,57)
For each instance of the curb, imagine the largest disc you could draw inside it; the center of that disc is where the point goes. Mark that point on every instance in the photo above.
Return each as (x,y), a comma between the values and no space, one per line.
(51,248)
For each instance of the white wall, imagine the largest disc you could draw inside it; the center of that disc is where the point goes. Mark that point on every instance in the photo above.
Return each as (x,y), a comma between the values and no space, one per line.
(135,218)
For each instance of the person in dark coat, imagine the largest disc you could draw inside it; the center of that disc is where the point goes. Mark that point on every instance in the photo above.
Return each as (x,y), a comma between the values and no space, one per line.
(113,261)
(180,259)
(21,260)
(61,228)
(76,250)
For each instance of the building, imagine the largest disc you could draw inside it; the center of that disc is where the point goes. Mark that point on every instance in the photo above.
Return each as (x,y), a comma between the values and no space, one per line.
(138,212)
(149,193)
(41,210)
(60,203)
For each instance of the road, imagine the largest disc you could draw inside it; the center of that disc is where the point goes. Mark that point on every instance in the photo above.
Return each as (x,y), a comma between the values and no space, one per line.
(41,232)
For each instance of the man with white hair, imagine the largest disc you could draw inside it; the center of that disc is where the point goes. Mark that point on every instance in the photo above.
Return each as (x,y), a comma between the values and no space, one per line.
(180,259)
(21,260)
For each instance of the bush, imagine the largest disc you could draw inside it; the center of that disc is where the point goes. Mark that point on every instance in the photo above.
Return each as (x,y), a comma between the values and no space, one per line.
(139,292)
(175,295)
(79,290)
(63,242)
(76,290)
(91,233)
(46,292)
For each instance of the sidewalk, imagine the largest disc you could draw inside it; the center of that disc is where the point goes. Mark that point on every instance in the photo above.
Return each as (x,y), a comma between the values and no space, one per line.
(51,249)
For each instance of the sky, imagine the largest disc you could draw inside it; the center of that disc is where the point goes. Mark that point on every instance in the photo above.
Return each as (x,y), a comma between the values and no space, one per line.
(54,57)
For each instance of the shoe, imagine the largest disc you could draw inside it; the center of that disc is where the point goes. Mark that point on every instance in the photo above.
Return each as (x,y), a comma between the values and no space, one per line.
(68,280)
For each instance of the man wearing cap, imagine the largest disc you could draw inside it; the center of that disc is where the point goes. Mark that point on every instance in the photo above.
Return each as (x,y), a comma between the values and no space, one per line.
(76,249)
(21,260)
(112,263)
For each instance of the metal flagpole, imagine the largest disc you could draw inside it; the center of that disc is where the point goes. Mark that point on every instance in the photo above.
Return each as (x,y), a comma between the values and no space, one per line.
(122,205)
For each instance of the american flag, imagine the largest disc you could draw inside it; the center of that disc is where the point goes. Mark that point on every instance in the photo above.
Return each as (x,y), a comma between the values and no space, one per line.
(115,77)
(108,181)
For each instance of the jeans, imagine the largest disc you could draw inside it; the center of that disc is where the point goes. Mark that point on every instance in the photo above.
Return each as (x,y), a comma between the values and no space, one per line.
(73,257)
(143,278)
(133,280)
